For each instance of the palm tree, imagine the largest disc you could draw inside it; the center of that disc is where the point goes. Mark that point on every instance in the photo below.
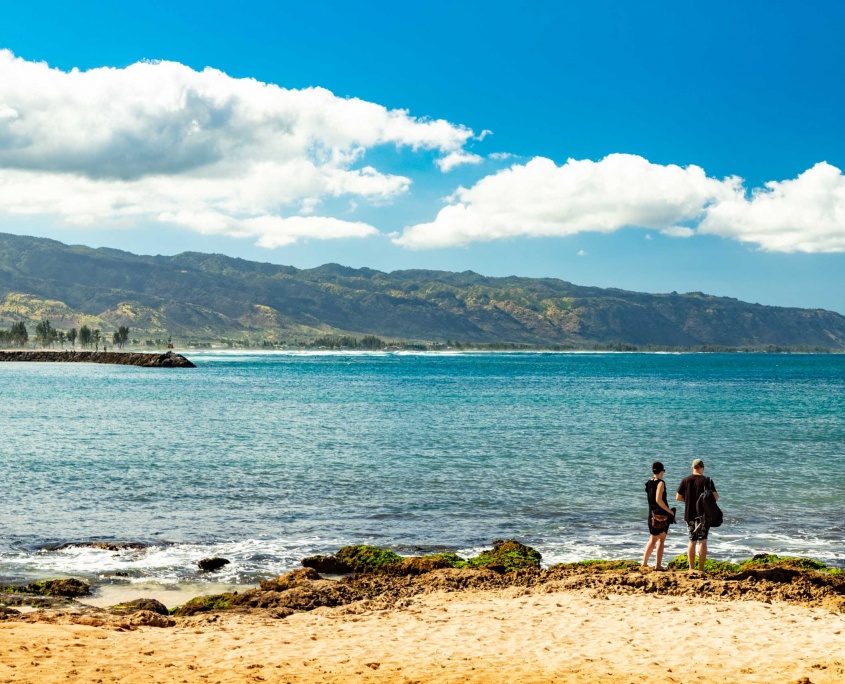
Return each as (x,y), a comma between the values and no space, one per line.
(71,337)
(85,336)
(96,336)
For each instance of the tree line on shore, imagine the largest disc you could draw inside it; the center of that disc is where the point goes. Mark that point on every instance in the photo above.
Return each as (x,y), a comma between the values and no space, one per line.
(46,336)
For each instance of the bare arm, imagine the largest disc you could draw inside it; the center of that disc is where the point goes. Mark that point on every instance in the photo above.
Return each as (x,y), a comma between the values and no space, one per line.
(659,497)
(678,497)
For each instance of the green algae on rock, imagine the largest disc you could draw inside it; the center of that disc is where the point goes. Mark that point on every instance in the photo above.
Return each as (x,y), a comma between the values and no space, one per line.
(141,604)
(63,588)
(203,604)
(507,556)
(760,561)
(603,564)
(363,558)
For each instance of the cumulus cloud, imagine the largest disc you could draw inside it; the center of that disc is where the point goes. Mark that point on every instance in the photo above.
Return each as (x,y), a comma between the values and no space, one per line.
(539,198)
(542,199)
(805,214)
(158,139)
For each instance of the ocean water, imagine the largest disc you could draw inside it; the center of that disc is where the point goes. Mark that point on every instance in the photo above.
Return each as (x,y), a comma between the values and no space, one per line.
(266,458)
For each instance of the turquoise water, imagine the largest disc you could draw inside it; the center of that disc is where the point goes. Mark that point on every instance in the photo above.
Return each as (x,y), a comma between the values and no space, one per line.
(265,458)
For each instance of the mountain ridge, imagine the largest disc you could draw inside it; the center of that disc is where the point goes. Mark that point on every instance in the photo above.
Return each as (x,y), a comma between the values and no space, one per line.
(200,296)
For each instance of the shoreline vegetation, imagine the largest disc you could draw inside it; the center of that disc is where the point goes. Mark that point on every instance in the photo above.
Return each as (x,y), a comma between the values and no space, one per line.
(497,617)
(17,340)
(47,337)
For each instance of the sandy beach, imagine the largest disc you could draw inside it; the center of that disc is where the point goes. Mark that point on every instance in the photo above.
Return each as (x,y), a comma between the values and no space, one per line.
(517,634)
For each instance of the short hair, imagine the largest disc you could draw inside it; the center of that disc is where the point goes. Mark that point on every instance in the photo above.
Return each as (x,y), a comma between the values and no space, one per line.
(657,467)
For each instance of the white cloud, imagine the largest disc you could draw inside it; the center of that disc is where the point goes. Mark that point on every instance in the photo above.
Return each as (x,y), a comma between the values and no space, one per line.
(678,231)
(582,252)
(806,214)
(272,231)
(540,199)
(453,159)
(501,156)
(112,146)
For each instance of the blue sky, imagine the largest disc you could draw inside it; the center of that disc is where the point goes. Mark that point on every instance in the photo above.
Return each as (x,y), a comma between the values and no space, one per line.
(748,90)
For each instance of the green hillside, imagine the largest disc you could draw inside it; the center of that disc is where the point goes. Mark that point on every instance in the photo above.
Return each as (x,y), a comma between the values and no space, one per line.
(208,297)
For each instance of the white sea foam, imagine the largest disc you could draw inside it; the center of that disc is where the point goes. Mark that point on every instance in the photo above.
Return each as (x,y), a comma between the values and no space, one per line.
(172,563)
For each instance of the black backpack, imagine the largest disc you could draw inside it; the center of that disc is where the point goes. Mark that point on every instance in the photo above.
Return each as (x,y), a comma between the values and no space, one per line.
(708,507)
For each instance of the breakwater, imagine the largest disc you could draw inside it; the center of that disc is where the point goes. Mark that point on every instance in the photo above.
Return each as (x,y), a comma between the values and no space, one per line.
(145,360)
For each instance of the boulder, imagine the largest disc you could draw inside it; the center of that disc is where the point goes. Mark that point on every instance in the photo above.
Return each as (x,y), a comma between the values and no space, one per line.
(326,565)
(363,558)
(142,604)
(212,564)
(507,556)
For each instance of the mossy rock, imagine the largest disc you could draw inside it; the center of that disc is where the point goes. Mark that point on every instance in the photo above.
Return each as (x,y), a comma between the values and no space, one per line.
(417,565)
(203,604)
(449,560)
(682,563)
(326,565)
(64,588)
(605,564)
(363,558)
(506,556)
(770,559)
(145,604)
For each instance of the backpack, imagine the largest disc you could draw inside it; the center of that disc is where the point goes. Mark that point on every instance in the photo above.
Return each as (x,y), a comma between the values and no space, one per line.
(707,506)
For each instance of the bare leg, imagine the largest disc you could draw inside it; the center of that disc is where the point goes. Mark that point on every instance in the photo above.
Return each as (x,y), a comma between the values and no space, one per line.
(648,549)
(691,555)
(659,561)
(702,554)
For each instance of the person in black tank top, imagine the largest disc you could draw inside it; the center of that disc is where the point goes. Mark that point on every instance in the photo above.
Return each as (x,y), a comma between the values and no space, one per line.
(659,515)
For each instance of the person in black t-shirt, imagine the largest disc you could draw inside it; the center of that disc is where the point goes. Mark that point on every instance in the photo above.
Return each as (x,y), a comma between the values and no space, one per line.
(689,490)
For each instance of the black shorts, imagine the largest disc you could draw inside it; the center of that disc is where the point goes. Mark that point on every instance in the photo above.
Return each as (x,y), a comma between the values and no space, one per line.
(653,531)
(698,529)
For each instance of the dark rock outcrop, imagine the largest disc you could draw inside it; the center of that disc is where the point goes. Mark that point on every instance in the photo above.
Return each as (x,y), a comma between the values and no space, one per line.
(212,564)
(104,545)
(144,360)
(326,565)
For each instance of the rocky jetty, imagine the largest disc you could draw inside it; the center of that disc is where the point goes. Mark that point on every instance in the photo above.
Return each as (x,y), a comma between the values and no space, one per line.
(142,359)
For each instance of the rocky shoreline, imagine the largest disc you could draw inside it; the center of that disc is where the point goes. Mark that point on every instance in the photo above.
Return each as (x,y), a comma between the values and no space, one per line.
(378,579)
(142,359)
